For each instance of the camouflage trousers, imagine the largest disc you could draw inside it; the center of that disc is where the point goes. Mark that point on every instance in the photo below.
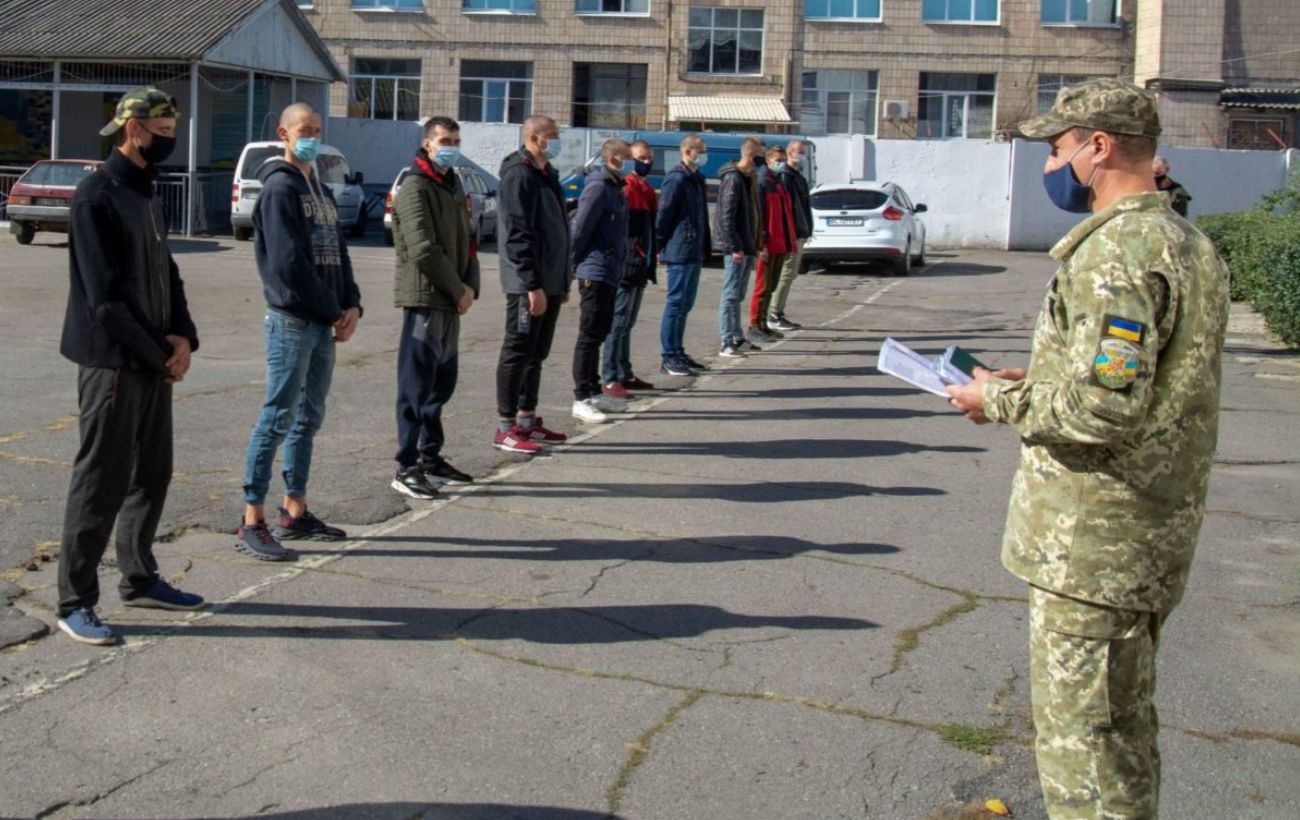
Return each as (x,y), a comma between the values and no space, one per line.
(1093,677)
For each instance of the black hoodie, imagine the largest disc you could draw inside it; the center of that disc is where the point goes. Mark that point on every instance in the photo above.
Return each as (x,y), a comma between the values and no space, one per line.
(533,228)
(300,251)
(126,295)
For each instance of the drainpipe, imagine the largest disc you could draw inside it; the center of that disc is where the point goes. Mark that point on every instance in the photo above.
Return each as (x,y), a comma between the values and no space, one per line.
(668,63)
(54,113)
(190,186)
(248,116)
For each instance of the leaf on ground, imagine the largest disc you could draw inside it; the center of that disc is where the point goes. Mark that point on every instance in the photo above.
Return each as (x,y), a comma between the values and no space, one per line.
(997,807)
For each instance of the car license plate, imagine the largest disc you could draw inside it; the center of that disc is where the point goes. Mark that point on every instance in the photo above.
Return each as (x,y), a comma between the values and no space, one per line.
(50,200)
(843,221)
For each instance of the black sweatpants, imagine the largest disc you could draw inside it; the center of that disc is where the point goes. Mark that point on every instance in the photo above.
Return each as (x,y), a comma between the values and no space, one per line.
(595,318)
(526,345)
(120,475)
(427,361)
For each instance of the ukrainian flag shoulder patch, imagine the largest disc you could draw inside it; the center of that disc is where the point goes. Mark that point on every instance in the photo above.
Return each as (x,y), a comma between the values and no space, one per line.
(1126,329)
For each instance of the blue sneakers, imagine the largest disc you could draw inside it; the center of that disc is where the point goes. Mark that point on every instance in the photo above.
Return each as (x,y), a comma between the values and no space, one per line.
(162,595)
(84,626)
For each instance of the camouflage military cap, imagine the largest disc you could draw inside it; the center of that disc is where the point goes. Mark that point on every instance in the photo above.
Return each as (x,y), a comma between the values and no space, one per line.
(1108,104)
(141,103)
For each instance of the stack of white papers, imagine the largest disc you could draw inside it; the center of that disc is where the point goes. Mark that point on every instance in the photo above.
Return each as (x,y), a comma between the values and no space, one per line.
(931,375)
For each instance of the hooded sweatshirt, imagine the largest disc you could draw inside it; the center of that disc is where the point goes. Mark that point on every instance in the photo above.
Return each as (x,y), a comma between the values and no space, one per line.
(301,255)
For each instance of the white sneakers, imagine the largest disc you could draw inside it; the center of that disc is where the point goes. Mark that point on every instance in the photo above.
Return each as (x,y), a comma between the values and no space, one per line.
(586,410)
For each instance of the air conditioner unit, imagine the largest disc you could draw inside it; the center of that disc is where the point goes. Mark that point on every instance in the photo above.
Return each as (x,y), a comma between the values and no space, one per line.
(895,109)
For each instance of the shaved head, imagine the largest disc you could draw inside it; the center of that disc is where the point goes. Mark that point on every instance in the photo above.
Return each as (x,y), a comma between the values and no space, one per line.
(539,125)
(292,113)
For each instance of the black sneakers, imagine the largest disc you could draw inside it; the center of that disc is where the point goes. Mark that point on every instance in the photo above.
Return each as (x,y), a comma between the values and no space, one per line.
(444,473)
(306,526)
(411,481)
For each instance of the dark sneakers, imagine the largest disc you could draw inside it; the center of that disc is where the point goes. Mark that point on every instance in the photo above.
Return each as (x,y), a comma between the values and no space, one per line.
(676,366)
(256,540)
(162,595)
(692,364)
(306,526)
(411,481)
(443,473)
(780,322)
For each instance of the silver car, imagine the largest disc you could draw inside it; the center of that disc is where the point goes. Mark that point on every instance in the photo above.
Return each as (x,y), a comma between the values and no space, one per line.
(866,222)
(331,168)
(480,190)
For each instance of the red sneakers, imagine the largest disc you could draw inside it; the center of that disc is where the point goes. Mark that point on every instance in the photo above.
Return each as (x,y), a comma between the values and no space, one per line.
(515,440)
(637,384)
(541,435)
(615,390)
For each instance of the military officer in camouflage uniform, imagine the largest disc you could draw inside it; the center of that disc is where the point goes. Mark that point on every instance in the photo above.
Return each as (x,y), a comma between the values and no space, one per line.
(1118,415)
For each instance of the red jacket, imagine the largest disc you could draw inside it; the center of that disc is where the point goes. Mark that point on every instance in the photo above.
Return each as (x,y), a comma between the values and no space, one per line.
(778,215)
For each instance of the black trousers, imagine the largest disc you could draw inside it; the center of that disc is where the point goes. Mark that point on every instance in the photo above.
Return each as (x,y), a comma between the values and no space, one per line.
(427,362)
(595,318)
(526,345)
(120,475)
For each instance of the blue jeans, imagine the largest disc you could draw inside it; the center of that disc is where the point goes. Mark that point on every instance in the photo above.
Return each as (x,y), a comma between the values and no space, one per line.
(299,366)
(616,357)
(734,282)
(683,284)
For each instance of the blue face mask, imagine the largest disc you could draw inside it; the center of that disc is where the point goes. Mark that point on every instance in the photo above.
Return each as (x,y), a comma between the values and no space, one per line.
(306,148)
(446,155)
(700,159)
(778,167)
(1064,188)
(643,167)
(760,161)
(553,148)
(629,167)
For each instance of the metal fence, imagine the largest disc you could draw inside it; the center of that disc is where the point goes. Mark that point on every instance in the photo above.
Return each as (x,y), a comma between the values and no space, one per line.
(8,176)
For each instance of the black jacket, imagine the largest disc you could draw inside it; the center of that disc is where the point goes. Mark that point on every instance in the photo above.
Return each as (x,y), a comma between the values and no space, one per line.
(739,219)
(798,187)
(125,295)
(599,228)
(533,228)
(300,251)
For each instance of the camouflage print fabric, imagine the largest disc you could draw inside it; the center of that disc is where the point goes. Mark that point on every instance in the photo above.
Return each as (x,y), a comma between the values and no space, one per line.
(143,103)
(1092,671)
(1119,413)
(1107,104)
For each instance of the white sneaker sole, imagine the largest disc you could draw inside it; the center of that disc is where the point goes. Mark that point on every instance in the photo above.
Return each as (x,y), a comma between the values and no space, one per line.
(67,630)
(407,491)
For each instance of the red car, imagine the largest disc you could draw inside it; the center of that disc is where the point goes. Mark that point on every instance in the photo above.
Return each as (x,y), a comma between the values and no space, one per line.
(41,199)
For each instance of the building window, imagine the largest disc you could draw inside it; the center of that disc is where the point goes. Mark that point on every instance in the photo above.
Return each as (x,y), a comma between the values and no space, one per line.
(1079,12)
(1263,134)
(384,5)
(841,9)
(383,89)
(1050,84)
(499,6)
(726,41)
(956,106)
(609,95)
(635,7)
(839,102)
(959,11)
(495,91)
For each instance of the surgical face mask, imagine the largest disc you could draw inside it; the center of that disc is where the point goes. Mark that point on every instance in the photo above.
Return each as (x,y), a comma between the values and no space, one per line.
(699,160)
(157,152)
(553,148)
(778,167)
(629,167)
(445,156)
(1065,190)
(306,148)
(643,167)
(794,161)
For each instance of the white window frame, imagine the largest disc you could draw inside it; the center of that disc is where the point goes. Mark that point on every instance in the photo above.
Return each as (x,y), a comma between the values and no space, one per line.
(483,97)
(1062,80)
(944,121)
(946,21)
(580,13)
(385,7)
(880,11)
(1068,23)
(374,79)
(510,12)
(822,92)
(713,14)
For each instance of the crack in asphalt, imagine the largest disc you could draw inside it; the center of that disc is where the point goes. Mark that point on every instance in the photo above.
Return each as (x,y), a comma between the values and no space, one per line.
(639,750)
(98,796)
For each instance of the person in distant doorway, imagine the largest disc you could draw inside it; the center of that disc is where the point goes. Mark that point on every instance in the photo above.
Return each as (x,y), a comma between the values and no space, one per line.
(437,280)
(312,303)
(779,227)
(682,231)
(1178,196)
(795,178)
(599,259)
(642,250)
(129,331)
(535,275)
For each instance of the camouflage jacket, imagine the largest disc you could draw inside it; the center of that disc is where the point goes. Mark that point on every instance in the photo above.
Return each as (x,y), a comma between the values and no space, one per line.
(1119,410)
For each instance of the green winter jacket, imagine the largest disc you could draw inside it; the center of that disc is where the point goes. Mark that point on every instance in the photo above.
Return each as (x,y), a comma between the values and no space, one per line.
(435,262)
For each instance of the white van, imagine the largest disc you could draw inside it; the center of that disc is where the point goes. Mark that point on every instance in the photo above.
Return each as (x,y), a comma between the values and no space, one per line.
(331,169)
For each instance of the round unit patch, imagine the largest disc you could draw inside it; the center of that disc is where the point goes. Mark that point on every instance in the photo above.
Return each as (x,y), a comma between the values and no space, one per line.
(1116,364)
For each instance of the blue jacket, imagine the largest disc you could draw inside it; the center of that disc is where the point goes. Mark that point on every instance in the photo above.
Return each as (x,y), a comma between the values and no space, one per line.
(682,225)
(599,229)
(301,255)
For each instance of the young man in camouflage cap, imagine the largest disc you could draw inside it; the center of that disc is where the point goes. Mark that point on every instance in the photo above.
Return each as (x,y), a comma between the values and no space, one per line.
(1118,415)
(128,328)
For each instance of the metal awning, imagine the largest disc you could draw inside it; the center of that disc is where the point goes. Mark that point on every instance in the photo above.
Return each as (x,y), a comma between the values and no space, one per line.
(1276,98)
(726,108)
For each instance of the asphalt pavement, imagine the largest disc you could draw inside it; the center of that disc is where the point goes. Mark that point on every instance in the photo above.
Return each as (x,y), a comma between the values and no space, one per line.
(769,592)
